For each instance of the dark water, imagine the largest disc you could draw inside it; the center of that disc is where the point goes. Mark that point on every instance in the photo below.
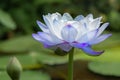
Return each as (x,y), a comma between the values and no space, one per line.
(81,72)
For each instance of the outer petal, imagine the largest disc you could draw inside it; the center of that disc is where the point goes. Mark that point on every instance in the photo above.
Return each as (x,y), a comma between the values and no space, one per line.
(42,26)
(89,51)
(89,17)
(79,45)
(99,39)
(65,46)
(45,40)
(86,48)
(87,37)
(102,28)
(47,21)
(79,17)
(67,17)
(51,26)
(69,33)
(95,23)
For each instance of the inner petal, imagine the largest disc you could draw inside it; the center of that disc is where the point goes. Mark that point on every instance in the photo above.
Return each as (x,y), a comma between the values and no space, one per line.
(69,33)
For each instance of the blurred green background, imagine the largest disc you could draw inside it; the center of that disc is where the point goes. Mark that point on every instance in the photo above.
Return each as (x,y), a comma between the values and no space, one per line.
(18,22)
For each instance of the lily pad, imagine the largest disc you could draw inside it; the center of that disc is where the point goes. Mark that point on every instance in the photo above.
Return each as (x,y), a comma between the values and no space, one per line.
(50,58)
(105,68)
(34,75)
(27,75)
(20,44)
(4,76)
(26,60)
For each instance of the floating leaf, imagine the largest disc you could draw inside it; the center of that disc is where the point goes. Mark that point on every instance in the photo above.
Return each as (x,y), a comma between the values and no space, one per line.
(105,68)
(26,60)
(7,20)
(21,44)
(34,75)
(4,76)
(27,75)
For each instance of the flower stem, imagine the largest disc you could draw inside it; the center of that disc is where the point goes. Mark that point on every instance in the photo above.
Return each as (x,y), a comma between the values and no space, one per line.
(70,65)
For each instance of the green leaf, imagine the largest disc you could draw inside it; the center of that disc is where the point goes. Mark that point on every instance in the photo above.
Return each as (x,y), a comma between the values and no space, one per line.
(34,75)
(4,76)
(20,44)
(27,61)
(105,68)
(27,75)
(7,20)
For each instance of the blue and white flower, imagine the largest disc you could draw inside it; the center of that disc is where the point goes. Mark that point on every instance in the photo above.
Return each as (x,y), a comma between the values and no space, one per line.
(62,31)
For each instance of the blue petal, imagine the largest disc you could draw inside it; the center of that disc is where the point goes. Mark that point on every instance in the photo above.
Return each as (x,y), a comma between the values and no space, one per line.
(65,47)
(79,17)
(43,38)
(79,45)
(42,26)
(100,39)
(89,51)
(69,33)
(53,47)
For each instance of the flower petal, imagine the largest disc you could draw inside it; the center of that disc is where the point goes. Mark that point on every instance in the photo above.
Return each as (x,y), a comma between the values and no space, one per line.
(99,39)
(65,46)
(86,48)
(69,33)
(89,17)
(89,51)
(79,17)
(95,24)
(87,36)
(67,17)
(42,26)
(53,29)
(102,28)
(79,45)
(47,21)
(44,38)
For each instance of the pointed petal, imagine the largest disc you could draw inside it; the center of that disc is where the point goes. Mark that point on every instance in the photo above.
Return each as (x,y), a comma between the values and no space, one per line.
(100,39)
(42,26)
(65,46)
(44,38)
(69,33)
(47,20)
(92,34)
(36,37)
(102,28)
(79,17)
(79,45)
(67,17)
(87,37)
(89,17)
(95,24)
(88,50)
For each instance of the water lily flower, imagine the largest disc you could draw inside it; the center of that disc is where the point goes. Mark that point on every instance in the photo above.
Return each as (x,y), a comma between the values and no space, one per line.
(64,32)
